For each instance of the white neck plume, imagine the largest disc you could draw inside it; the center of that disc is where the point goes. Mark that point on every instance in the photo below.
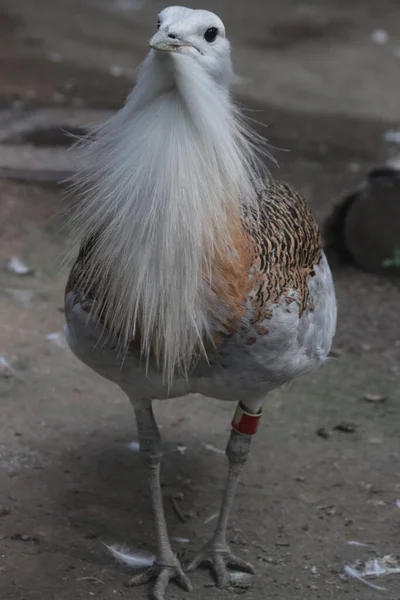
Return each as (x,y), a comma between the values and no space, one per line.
(160,182)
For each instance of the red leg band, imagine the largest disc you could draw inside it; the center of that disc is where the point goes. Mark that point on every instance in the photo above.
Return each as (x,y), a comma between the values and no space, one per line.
(244,422)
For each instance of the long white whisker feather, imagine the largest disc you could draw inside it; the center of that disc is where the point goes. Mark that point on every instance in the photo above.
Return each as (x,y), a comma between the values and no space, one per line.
(158,185)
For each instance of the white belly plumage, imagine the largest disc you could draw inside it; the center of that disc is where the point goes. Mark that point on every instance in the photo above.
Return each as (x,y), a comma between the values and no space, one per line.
(292,347)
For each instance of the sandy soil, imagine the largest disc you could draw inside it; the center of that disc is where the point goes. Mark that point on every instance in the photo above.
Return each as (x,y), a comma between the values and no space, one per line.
(69,483)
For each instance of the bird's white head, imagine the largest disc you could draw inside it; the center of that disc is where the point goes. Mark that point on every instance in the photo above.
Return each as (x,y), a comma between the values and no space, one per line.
(198,34)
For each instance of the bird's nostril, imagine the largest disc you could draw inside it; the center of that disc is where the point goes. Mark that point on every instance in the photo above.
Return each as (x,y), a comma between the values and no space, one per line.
(172,36)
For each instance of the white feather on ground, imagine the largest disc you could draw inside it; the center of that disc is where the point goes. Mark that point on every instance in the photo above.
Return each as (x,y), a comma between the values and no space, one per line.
(351,572)
(134,560)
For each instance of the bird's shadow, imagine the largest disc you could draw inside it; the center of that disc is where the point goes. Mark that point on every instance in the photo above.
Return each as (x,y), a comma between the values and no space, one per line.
(99,492)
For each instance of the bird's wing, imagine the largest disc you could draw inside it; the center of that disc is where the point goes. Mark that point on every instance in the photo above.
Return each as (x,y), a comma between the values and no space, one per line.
(287,246)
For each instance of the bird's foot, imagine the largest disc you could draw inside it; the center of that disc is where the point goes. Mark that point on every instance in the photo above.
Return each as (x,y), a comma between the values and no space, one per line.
(219,558)
(163,574)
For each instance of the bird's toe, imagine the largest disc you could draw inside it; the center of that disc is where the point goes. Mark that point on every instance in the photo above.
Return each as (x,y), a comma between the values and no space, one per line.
(162,574)
(220,560)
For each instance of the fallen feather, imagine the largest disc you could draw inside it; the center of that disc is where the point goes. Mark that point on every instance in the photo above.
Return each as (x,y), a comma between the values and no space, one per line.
(213,448)
(378,567)
(392,136)
(17,266)
(380,36)
(58,339)
(134,560)
(209,519)
(376,502)
(375,567)
(181,448)
(7,370)
(134,446)
(91,579)
(353,573)
(354,543)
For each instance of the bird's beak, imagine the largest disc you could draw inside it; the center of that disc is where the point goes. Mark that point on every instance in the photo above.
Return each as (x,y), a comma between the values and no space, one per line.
(160,41)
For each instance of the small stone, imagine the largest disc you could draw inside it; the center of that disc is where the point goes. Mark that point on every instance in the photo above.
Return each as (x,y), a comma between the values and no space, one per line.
(328,510)
(366,347)
(375,398)
(346,427)
(116,71)
(266,559)
(240,580)
(370,488)
(313,587)
(23,537)
(323,433)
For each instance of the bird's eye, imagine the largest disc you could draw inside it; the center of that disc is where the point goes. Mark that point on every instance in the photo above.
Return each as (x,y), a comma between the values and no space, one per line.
(211,34)
(158,23)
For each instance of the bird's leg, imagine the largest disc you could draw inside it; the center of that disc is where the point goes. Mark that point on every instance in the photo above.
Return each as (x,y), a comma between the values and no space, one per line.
(166,566)
(217,552)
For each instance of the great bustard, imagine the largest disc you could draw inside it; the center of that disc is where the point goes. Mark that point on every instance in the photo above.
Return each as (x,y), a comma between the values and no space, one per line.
(196,273)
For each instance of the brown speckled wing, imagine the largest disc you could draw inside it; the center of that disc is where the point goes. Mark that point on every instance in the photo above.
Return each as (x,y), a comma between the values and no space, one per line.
(287,246)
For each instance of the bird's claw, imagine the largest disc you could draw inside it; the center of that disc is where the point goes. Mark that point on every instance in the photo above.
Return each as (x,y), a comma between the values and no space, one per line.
(220,558)
(163,574)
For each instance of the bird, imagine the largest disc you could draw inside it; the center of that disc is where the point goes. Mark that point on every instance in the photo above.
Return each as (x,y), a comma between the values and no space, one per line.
(196,272)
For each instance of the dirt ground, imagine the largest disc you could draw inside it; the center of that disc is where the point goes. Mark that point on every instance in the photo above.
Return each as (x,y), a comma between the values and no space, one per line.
(69,482)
